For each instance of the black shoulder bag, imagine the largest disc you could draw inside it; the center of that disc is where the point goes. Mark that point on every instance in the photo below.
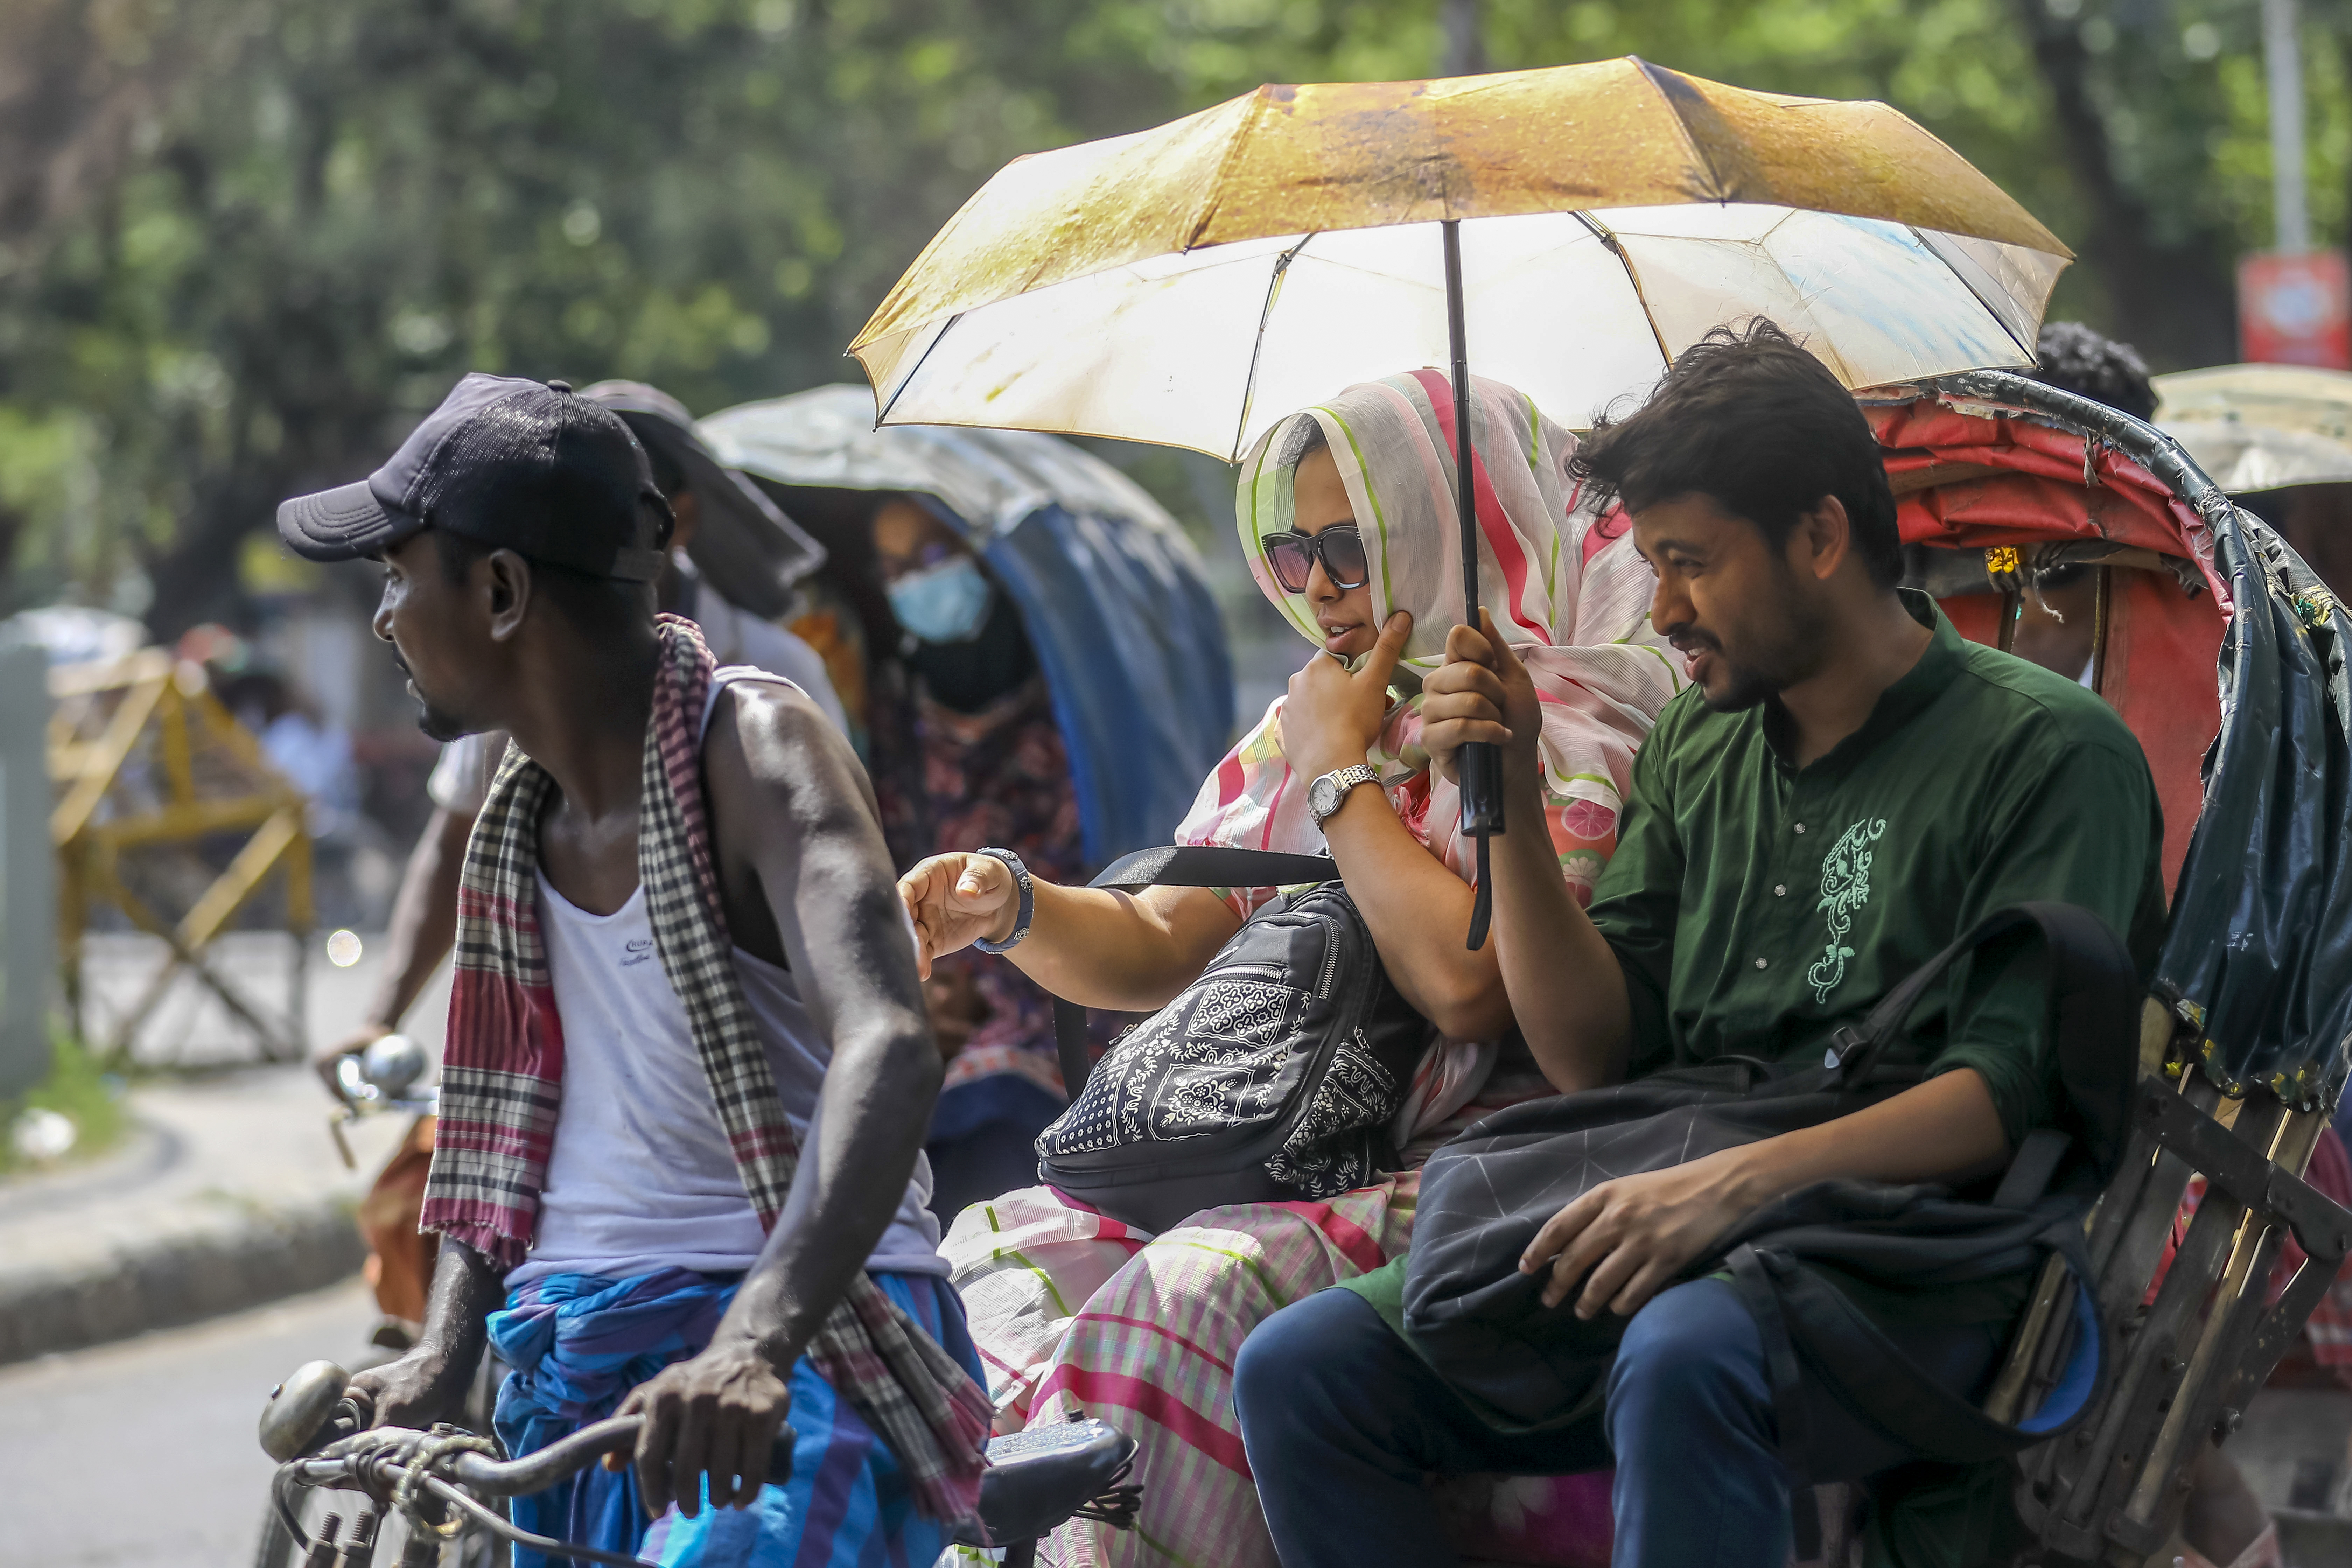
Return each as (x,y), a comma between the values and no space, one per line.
(1273,1075)
(1483,1324)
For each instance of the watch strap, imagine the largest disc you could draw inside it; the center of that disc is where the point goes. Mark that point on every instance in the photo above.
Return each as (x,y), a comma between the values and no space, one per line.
(1343,780)
(1028,903)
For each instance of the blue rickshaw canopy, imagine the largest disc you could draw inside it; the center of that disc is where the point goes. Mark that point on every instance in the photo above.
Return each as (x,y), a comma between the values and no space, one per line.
(1110,590)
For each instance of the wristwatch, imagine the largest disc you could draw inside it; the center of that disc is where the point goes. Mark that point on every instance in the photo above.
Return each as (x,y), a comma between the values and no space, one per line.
(1028,903)
(1327,794)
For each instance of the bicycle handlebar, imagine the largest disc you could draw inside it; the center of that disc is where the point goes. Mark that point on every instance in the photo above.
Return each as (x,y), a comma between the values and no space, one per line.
(1036,1480)
(389,1461)
(354,1458)
(363,1096)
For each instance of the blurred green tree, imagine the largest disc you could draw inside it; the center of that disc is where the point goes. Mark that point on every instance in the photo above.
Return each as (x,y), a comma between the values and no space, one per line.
(327,209)
(244,242)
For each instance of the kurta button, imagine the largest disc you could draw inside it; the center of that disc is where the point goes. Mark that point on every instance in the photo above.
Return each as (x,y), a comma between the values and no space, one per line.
(1780,889)
(1760,963)
(1800,828)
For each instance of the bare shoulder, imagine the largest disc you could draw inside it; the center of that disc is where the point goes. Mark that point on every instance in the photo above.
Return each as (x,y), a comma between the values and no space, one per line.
(770,745)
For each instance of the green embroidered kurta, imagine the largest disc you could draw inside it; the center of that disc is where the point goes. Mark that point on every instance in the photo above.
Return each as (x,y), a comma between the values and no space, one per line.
(1756,906)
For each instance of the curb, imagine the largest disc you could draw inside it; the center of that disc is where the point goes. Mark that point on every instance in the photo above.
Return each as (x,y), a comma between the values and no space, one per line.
(241,1255)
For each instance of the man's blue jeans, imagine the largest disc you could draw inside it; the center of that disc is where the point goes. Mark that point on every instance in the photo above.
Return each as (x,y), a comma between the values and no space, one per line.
(1343,1423)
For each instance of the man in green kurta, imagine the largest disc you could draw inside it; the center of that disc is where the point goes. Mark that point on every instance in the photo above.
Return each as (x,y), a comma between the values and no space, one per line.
(1847,787)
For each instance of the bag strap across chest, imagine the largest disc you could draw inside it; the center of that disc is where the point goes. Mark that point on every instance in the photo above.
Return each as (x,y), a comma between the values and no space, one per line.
(1214,866)
(1178,866)
(2091,991)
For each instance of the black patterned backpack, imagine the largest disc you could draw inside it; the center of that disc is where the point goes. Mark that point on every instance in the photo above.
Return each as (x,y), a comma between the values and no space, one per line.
(1276,1073)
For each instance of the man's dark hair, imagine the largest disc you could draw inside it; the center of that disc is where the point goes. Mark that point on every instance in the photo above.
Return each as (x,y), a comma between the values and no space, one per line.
(2076,359)
(1748,419)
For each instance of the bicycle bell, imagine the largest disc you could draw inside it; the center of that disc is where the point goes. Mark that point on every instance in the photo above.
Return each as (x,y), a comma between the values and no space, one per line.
(392,1064)
(299,1406)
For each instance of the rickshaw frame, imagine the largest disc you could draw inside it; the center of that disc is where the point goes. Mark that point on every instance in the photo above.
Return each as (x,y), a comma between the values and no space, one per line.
(2244,1113)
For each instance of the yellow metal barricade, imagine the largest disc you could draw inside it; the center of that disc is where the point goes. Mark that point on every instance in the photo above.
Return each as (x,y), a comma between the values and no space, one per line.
(155,774)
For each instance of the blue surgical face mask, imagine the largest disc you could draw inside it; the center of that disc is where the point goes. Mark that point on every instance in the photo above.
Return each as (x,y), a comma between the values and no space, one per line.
(945,603)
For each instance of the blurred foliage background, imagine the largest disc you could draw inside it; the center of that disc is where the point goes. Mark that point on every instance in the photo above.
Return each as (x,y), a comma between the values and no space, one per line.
(244,243)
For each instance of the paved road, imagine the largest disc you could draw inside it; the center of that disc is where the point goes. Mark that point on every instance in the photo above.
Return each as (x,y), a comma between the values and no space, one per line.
(171,1415)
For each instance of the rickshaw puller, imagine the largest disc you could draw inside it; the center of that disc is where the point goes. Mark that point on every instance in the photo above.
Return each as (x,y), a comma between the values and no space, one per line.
(681,964)
(1851,786)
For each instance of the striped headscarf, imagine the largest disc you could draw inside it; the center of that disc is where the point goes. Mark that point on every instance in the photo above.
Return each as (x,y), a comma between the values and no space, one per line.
(1563,584)
(502,1072)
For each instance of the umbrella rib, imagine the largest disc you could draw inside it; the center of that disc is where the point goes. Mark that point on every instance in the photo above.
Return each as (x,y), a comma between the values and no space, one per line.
(1650,73)
(1633,276)
(1214,197)
(1257,345)
(1974,293)
(907,380)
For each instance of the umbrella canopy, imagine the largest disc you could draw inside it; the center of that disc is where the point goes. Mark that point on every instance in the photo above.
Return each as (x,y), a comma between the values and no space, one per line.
(1110,591)
(1192,284)
(2260,426)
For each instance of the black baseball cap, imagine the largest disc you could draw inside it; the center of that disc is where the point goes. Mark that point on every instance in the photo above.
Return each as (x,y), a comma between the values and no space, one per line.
(526,465)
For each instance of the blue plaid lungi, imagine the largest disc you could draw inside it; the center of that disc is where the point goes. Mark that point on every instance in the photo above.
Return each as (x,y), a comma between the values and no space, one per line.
(578,1344)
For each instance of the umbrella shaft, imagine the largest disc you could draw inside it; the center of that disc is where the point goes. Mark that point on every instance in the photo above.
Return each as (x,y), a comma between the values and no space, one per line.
(1480,765)
(1465,490)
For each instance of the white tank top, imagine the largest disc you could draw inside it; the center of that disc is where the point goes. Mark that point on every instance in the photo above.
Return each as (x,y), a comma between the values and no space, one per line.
(641,1176)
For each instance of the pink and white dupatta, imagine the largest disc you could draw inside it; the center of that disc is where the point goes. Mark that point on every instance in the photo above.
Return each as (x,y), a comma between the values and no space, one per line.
(1074,1310)
(1563,584)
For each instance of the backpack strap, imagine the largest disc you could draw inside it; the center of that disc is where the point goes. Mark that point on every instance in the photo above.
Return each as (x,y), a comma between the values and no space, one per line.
(1214,866)
(1802,1317)
(2091,990)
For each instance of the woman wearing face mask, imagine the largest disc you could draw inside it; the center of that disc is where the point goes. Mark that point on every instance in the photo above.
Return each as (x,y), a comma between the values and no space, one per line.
(965,751)
(1346,512)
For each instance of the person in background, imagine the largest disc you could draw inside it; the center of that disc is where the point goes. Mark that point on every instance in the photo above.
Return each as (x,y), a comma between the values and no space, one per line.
(737,532)
(305,747)
(949,708)
(966,752)
(2058,620)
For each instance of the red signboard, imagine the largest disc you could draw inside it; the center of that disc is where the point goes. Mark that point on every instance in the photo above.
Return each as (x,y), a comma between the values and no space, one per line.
(2295,310)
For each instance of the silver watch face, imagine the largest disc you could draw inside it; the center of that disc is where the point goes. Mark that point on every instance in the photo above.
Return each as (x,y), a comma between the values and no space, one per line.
(1323,796)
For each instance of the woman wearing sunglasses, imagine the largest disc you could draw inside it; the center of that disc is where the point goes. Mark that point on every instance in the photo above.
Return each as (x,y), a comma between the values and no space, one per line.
(1346,512)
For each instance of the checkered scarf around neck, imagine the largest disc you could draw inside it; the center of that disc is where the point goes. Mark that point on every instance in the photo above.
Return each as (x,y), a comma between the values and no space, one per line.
(502,1071)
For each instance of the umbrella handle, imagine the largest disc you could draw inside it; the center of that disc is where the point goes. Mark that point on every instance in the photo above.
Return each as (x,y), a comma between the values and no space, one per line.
(1480,765)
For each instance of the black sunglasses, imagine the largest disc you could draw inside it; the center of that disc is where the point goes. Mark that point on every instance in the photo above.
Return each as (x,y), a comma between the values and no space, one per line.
(1292,558)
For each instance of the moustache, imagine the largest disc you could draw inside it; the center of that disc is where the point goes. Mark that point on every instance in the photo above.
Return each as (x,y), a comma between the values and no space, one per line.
(1690,639)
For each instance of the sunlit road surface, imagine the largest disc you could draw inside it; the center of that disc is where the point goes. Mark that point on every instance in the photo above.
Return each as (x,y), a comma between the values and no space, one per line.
(143,1454)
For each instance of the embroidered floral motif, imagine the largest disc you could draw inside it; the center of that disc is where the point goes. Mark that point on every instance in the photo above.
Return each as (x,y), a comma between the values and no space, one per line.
(1845,887)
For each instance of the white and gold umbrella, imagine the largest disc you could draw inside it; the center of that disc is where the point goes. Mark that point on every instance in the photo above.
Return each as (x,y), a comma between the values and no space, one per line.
(1190,284)
(1581,225)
